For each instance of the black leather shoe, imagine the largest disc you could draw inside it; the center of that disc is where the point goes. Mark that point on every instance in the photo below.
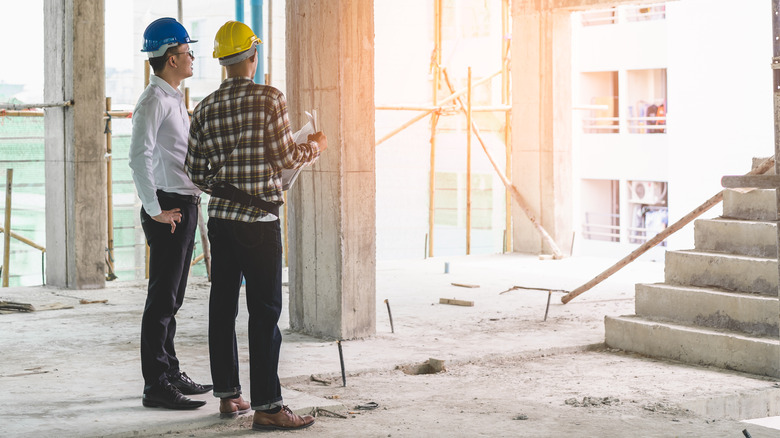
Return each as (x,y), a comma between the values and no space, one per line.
(188,387)
(169,397)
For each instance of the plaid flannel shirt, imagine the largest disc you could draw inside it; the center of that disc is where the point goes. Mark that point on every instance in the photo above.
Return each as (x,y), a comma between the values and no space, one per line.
(241,134)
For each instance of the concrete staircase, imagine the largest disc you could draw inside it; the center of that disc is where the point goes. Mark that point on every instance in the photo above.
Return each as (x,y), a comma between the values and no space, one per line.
(718,304)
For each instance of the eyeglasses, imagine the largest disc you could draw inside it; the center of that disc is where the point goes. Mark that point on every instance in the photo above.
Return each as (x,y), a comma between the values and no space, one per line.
(189,52)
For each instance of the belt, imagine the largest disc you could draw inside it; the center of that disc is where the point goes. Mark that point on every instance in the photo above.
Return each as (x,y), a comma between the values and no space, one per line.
(228,191)
(190,199)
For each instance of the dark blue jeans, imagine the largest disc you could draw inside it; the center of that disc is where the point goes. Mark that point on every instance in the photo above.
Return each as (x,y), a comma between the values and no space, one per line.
(169,267)
(252,250)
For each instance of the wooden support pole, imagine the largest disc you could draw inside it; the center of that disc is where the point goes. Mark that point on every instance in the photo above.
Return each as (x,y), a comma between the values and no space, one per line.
(506,100)
(557,254)
(9,179)
(204,241)
(443,102)
(468,165)
(432,185)
(658,238)
(286,226)
(111,275)
(436,69)
(24,240)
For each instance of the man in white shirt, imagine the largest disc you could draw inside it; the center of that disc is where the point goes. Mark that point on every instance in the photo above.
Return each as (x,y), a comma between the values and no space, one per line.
(169,214)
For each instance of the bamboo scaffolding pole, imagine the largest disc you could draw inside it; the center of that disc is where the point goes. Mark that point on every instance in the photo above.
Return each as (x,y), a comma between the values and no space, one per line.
(9,179)
(24,240)
(447,100)
(286,227)
(23,106)
(508,184)
(505,100)
(113,114)
(658,238)
(197,259)
(436,69)
(468,165)
(449,108)
(109,197)
(432,184)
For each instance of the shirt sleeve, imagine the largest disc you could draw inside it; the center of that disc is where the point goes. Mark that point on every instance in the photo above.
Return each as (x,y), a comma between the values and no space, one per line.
(282,151)
(197,164)
(146,121)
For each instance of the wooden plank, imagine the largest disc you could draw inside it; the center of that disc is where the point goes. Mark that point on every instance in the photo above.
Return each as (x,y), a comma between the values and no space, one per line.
(753,181)
(455,302)
(465,285)
(11,306)
(658,238)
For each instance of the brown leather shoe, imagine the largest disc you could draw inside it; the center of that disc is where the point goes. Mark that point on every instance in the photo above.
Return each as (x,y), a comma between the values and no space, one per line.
(233,407)
(282,420)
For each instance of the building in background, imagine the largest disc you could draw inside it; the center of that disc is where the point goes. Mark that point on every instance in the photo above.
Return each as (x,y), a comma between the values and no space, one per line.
(668,97)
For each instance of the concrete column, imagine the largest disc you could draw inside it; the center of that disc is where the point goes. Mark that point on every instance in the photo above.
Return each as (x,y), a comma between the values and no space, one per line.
(332,234)
(541,123)
(75,164)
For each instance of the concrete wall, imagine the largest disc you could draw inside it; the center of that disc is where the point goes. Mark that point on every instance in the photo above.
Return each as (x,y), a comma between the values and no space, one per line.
(332,238)
(75,144)
(541,124)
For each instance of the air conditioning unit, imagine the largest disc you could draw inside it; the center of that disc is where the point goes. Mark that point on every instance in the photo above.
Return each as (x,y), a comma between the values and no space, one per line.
(647,192)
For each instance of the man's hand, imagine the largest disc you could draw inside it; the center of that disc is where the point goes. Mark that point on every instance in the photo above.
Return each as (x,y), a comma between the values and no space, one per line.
(320,138)
(169,217)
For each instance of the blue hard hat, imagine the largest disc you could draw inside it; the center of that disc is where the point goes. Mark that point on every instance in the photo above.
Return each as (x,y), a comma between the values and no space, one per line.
(162,34)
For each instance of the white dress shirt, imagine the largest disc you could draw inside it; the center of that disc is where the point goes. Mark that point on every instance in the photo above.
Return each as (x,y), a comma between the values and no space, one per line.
(158,145)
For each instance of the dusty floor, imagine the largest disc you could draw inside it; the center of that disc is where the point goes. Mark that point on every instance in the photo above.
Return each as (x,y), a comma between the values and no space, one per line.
(76,372)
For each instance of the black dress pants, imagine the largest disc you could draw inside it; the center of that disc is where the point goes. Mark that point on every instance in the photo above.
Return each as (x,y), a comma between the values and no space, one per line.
(169,267)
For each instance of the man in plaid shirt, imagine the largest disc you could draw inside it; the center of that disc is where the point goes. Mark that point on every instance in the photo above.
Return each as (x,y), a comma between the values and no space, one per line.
(240,139)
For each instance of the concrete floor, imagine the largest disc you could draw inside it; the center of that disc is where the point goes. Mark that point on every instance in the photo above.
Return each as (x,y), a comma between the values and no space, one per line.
(76,371)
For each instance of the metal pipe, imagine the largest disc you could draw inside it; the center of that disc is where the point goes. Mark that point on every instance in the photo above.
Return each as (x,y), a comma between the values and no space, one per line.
(390,314)
(9,178)
(270,43)
(257,26)
(240,10)
(341,359)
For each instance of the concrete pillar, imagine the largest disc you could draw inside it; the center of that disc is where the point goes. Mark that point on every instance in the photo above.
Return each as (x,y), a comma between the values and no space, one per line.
(74,52)
(332,214)
(541,123)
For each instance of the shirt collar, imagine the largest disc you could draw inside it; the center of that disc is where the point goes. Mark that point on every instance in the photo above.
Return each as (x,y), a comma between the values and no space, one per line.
(236,79)
(160,82)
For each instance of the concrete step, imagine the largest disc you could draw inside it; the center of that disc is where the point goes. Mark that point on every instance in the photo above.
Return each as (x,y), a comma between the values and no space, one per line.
(755,205)
(749,314)
(750,238)
(694,345)
(722,271)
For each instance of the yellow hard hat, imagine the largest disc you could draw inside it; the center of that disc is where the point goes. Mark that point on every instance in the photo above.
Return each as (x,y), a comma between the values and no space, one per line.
(232,38)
